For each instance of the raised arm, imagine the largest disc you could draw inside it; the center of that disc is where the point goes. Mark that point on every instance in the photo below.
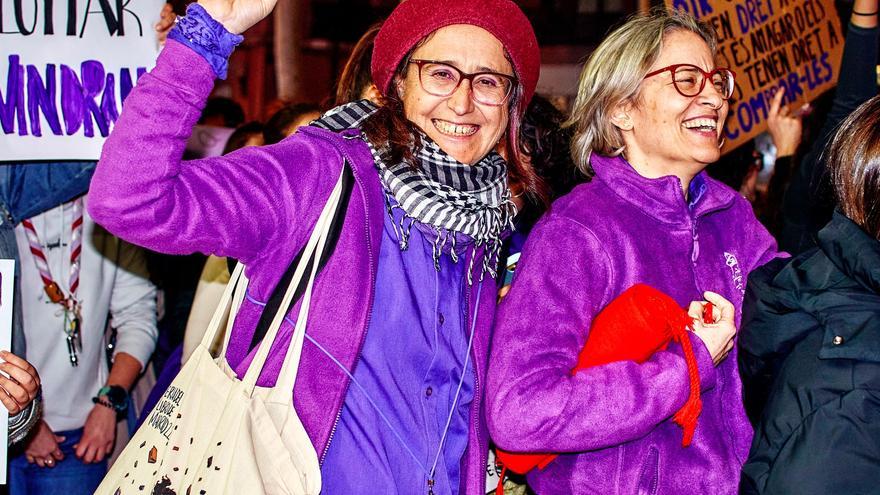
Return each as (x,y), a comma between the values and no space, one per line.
(808,203)
(237,205)
(534,403)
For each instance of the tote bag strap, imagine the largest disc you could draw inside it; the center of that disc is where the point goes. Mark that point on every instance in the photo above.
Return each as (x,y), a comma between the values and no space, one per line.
(222,309)
(287,375)
(274,302)
(310,256)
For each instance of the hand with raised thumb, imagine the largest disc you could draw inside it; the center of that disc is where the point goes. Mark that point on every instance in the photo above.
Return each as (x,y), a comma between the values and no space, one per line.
(717,335)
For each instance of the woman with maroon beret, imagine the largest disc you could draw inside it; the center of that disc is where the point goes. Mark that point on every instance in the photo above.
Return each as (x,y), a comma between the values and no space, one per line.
(391,380)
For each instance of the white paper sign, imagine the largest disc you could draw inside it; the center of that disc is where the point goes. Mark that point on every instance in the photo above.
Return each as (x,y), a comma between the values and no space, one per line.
(7,275)
(65,67)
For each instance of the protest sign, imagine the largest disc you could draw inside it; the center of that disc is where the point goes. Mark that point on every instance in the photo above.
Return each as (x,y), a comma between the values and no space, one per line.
(794,45)
(65,68)
(7,274)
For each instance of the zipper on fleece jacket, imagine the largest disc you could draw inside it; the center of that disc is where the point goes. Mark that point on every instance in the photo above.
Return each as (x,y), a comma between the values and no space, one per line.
(477,405)
(373,265)
(695,253)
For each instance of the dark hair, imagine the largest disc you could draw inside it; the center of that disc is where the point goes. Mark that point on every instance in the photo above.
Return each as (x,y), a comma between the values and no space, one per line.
(278,125)
(548,147)
(390,125)
(854,162)
(356,76)
(227,109)
(240,136)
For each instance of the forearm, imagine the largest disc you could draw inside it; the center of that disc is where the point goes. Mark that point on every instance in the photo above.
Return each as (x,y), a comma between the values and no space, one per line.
(125,370)
(858,81)
(550,410)
(862,7)
(534,402)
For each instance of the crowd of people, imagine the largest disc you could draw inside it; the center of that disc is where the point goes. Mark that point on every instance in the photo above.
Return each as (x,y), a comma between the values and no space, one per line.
(492,247)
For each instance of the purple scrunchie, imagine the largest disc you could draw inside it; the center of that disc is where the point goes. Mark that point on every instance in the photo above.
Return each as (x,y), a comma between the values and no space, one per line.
(199,31)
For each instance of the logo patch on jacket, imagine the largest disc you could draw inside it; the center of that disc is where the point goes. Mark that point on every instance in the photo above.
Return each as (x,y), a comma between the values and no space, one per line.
(735,272)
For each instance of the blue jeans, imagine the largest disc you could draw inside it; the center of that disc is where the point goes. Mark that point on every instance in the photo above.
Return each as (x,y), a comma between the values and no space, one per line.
(70,476)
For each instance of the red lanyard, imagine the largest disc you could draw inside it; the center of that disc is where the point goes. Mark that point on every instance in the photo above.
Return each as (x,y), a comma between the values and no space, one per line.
(70,303)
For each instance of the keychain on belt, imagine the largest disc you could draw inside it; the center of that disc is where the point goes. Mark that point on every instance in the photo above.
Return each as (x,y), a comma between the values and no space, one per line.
(69,302)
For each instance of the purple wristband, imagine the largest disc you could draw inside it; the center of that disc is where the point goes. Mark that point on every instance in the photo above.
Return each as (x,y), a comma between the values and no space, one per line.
(199,31)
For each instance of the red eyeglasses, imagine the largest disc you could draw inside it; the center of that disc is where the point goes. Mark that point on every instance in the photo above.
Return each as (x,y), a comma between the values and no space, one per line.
(689,80)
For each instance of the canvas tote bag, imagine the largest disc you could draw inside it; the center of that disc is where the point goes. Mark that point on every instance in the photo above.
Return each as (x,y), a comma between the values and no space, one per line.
(212,433)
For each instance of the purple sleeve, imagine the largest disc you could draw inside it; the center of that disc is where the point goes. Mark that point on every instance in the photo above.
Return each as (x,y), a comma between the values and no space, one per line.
(534,403)
(248,204)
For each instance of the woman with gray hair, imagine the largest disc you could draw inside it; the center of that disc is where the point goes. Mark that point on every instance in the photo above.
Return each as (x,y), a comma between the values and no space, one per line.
(647,120)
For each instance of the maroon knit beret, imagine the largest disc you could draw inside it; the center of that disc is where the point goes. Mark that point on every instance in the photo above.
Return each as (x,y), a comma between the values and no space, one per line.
(412,20)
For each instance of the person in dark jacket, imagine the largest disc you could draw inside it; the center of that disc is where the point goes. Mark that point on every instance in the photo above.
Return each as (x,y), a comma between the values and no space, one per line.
(810,344)
(808,202)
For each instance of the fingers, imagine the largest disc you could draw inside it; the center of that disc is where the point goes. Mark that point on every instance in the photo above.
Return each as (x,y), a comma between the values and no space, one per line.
(20,364)
(89,452)
(776,104)
(7,395)
(23,393)
(695,310)
(80,449)
(166,22)
(22,372)
(724,353)
(723,308)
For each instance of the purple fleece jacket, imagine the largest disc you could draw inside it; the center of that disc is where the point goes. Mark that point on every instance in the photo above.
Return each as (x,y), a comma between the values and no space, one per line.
(614,420)
(258,205)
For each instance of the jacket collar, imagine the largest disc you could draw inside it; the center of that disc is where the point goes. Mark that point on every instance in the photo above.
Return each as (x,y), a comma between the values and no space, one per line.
(852,251)
(661,198)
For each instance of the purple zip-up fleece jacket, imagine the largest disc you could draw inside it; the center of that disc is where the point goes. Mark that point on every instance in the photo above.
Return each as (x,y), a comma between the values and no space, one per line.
(613,420)
(258,205)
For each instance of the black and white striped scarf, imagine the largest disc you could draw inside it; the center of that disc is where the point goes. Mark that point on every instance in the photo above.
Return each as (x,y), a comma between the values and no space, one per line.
(441,192)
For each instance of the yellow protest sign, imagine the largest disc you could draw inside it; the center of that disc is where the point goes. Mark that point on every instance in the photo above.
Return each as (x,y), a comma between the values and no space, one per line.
(794,45)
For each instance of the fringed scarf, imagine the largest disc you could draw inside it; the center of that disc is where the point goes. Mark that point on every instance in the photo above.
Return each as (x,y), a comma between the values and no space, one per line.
(441,192)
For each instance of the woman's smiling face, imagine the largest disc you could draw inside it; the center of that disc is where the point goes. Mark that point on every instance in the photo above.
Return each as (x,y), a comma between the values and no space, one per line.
(667,133)
(463,128)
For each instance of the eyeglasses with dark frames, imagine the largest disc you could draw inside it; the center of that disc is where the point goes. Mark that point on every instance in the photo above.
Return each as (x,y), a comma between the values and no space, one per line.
(442,79)
(689,80)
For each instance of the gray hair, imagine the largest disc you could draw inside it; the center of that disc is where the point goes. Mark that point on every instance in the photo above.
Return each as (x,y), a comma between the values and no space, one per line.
(614,73)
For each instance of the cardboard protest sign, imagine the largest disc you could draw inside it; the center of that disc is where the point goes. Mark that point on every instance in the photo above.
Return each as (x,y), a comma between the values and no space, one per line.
(795,45)
(65,68)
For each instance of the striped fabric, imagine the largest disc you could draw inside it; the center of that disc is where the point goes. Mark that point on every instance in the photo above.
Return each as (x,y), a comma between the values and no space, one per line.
(448,195)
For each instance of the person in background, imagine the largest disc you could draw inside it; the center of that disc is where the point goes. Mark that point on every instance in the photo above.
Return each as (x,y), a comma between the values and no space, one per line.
(73,275)
(785,126)
(810,342)
(28,189)
(546,146)
(249,134)
(647,121)
(356,81)
(220,111)
(398,331)
(808,201)
(288,119)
